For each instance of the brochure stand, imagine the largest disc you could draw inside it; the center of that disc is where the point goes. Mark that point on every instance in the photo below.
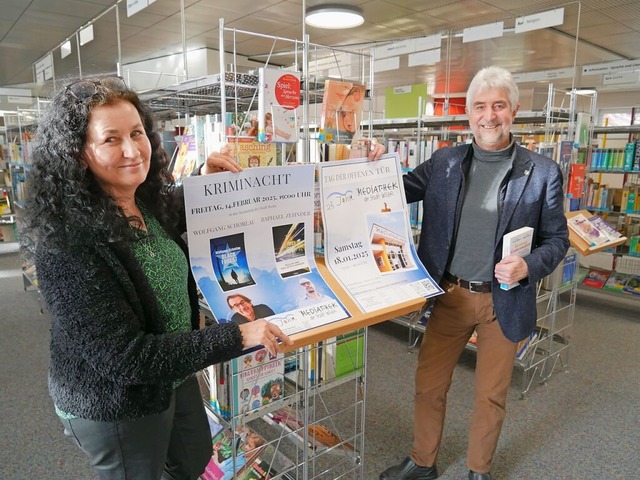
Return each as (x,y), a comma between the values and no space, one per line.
(316,430)
(581,245)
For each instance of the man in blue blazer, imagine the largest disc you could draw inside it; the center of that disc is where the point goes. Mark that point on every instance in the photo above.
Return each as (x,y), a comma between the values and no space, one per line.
(473,195)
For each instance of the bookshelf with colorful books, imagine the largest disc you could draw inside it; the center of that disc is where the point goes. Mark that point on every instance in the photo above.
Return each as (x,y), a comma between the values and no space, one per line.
(20,127)
(7,211)
(612,192)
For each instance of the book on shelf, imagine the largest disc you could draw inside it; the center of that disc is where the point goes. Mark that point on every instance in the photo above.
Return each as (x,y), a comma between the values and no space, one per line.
(258,379)
(596,278)
(5,204)
(616,282)
(577,177)
(565,155)
(249,152)
(518,242)
(246,383)
(526,345)
(633,285)
(582,274)
(634,245)
(569,267)
(186,155)
(629,153)
(343,355)
(341,111)
(278,100)
(635,165)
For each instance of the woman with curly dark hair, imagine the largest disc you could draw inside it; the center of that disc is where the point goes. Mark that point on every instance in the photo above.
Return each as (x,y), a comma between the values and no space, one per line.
(104,221)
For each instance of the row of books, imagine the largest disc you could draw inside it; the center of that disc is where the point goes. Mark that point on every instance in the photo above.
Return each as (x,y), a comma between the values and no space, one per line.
(19,153)
(619,159)
(257,378)
(630,200)
(411,152)
(612,281)
(599,196)
(255,133)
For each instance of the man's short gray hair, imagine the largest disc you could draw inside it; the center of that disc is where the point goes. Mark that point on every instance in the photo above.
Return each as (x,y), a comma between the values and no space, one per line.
(493,77)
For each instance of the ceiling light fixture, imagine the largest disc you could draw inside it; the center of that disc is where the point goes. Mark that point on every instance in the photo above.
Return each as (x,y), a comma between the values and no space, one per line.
(582,90)
(334,16)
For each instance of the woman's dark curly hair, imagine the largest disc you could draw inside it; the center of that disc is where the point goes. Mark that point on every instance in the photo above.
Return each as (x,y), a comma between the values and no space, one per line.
(64,202)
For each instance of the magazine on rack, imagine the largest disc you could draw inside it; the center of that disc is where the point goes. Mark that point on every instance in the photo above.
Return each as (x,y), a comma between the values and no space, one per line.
(587,230)
(245,455)
(278,100)
(341,113)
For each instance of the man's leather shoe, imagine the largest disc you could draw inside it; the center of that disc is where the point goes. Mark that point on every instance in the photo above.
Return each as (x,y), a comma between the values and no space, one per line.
(479,476)
(408,470)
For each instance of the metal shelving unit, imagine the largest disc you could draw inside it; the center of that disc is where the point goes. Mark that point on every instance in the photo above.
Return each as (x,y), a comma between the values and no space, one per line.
(329,408)
(203,95)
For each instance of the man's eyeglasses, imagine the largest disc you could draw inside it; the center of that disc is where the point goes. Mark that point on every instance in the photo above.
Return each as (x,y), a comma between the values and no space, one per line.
(241,303)
(86,88)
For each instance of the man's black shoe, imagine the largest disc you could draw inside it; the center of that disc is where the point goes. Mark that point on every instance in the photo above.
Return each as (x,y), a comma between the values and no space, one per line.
(408,470)
(479,476)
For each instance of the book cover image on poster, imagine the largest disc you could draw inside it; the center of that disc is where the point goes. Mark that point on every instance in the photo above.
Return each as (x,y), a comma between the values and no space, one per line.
(390,249)
(290,249)
(229,259)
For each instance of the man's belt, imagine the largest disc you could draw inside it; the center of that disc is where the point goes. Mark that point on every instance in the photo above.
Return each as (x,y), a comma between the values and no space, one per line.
(472,286)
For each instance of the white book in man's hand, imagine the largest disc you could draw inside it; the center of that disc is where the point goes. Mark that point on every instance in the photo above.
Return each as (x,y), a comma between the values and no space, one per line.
(517,242)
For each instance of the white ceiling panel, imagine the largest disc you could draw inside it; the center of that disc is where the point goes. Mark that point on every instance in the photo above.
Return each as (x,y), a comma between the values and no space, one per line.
(609,30)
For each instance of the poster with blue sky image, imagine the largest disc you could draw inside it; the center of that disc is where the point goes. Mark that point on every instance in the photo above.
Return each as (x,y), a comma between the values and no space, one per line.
(250,240)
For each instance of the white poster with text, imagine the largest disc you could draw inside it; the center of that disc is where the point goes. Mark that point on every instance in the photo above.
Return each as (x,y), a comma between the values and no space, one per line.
(251,247)
(368,242)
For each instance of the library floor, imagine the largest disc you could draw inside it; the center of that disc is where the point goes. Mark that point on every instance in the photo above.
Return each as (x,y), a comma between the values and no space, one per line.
(582,425)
